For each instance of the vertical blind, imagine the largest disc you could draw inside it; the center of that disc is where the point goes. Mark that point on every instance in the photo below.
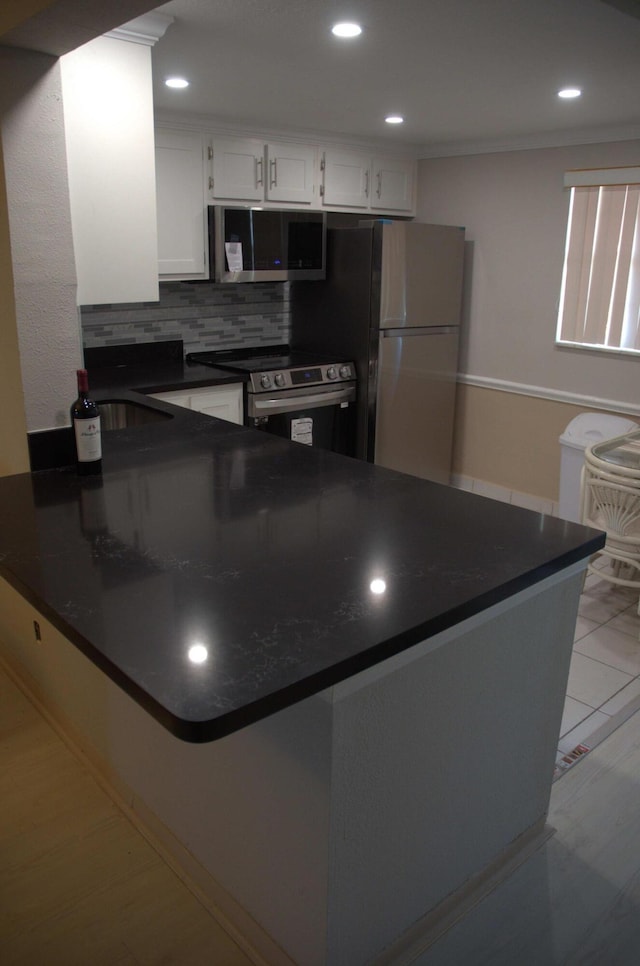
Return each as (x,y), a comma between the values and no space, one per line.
(600,294)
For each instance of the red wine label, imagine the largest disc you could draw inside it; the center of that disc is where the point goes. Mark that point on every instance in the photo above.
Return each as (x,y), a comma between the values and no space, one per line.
(88,444)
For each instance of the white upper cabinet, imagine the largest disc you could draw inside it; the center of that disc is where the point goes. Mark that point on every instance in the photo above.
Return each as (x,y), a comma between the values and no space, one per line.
(181,204)
(346,179)
(247,169)
(392,184)
(290,173)
(108,116)
(237,169)
(353,179)
(195,169)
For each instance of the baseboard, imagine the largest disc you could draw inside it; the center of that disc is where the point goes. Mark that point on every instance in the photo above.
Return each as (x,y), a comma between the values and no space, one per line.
(455,907)
(502,493)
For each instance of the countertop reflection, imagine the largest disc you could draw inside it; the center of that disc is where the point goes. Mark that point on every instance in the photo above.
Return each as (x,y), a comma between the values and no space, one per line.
(219,574)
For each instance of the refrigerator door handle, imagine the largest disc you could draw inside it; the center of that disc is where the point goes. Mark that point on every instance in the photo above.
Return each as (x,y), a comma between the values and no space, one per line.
(418,330)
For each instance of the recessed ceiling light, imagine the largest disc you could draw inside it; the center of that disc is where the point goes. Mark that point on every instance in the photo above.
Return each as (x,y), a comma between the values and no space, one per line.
(394,119)
(346,29)
(176,82)
(568,92)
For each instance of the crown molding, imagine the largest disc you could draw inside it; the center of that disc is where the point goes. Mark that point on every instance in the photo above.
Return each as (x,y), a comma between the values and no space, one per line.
(210,124)
(531,142)
(147,29)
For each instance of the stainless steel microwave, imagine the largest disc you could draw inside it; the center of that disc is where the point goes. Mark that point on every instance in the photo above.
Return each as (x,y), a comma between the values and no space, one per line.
(266,244)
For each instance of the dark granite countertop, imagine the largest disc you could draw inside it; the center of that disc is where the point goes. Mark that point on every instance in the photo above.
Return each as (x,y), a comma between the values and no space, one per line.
(158,377)
(149,367)
(260,553)
(132,382)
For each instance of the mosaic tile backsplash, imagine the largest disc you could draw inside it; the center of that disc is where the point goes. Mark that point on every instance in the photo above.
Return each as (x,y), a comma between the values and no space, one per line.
(204,315)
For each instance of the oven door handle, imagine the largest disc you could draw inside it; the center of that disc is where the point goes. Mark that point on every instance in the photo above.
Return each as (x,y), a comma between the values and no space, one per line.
(261,406)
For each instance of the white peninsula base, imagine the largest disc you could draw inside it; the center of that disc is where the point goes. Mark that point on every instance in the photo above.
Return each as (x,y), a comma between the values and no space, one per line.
(333,832)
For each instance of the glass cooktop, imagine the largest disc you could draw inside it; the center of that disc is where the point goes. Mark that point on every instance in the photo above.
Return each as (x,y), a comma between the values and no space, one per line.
(260,359)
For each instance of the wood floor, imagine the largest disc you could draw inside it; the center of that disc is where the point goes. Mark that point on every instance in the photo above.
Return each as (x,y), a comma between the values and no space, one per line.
(80,886)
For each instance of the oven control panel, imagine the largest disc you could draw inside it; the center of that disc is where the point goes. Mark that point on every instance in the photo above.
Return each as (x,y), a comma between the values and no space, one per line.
(298,377)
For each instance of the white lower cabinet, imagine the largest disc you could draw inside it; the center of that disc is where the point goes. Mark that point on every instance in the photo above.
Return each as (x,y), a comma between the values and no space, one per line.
(223,402)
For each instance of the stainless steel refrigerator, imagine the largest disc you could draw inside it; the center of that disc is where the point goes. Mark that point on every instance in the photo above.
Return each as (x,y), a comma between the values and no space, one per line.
(391,303)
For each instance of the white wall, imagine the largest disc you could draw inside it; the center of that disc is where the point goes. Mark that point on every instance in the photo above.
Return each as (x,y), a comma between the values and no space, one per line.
(102,173)
(40,228)
(514,208)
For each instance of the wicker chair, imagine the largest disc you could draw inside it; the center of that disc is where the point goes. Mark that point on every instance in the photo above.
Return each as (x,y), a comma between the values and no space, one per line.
(611,502)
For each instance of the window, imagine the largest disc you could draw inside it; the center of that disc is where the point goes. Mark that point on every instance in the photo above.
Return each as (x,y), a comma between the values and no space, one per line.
(600,293)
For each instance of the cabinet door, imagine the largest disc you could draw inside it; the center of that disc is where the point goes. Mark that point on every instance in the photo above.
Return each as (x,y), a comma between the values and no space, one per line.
(346,179)
(392,186)
(109,145)
(238,169)
(180,204)
(290,173)
(223,402)
(175,398)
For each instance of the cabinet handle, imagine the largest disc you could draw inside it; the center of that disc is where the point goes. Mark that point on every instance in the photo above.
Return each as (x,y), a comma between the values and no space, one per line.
(259,173)
(366,184)
(379,188)
(273,177)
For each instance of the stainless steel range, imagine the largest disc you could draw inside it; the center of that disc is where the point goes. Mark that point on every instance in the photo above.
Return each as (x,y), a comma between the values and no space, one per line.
(296,395)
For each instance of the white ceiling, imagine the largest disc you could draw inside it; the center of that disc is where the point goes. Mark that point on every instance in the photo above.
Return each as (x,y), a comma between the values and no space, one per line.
(466,74)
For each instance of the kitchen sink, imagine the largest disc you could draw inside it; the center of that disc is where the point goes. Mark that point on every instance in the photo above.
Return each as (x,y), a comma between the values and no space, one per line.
(121,414)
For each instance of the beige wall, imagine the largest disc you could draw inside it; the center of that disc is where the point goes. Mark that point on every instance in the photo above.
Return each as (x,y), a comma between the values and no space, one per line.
(521,389)
(512,439)
(13,428)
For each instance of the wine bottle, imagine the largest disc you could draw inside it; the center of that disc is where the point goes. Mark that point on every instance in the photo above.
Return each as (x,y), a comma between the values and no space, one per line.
(85,419)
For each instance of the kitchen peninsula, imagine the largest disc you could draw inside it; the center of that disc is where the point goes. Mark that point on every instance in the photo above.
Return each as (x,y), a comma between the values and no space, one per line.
(332,690)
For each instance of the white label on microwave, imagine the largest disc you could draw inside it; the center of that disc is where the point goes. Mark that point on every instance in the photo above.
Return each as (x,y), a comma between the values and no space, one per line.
(234,256)
(302,430)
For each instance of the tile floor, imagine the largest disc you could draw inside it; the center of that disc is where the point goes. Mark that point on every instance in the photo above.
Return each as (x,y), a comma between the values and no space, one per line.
(604,677)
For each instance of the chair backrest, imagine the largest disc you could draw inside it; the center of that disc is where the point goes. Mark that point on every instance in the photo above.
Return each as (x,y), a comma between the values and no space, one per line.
(612,506)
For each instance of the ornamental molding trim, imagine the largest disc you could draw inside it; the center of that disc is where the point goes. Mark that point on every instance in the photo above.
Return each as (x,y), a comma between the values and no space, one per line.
(147,29)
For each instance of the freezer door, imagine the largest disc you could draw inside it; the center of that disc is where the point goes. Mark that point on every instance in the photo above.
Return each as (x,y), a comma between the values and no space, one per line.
(421,275)
(416,401)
